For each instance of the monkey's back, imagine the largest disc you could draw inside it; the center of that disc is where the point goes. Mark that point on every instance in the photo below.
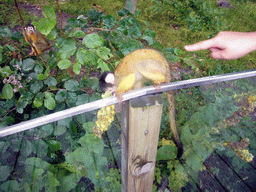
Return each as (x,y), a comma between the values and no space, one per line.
(142,58)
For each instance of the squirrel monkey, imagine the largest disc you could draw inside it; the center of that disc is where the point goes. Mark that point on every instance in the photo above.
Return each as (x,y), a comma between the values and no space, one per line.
(98,8)
(135,69)
(36,38)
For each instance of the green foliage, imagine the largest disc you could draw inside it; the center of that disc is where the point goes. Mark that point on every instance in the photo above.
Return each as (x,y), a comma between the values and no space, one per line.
(113,177)
(208,128)
(61,155)
(65,155)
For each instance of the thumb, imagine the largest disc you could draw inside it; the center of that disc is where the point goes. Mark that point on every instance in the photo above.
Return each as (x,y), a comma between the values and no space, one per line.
(200,46)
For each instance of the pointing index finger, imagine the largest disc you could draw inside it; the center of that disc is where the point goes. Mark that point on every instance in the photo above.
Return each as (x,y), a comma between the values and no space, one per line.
(207,44)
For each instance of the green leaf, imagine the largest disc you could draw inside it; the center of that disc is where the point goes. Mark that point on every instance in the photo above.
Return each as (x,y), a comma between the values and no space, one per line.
(102,65)
(109,21)
(166,152)
(54,145)
(26,148)
(35,162)
(61,96)
(92,40)
(53,34)
(48,12)
(51,81)
(134,31)
(45,25)
(130,46)
(64,64)
(16,36)
(41,77)
(7,91)
(51,182)
(38,101)
(11,185)
(6,71)
(69,182)
(137,12)
(45,130)
(3,146)
(71,99)
(82,155)
(28,64)
(36,87)
(9,48)
(20,108)
(49,103)
(5,172)
(47,72)
(93,83)
(88,126)
(92,143)
(39,69)
(104,52)
(60,42)
(8,119)
(85,57)
(150,40)
(66,122)
(149,36)
(16,142)
(66,51)
(123,24)
(76,68)
(59,130)
(72,85)
(146,23)
(78,34)
(5,31)
(82,99)
(123,12)
(194,162)
(73,22)
(129,5)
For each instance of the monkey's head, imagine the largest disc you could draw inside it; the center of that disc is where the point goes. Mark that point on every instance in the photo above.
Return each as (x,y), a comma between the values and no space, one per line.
(30,28)
(106,81)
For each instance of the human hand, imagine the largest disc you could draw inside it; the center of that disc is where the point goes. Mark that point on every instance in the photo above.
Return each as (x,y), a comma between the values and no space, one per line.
(227,45)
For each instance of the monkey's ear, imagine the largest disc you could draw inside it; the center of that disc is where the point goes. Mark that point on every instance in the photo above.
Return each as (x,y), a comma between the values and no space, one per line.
(104,75)
(110,78)
(104,83)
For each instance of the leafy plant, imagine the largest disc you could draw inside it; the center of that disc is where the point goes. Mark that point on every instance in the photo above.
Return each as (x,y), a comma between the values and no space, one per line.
(65,154)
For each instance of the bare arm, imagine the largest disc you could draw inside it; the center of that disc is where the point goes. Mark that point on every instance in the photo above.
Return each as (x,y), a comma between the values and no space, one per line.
(227,45)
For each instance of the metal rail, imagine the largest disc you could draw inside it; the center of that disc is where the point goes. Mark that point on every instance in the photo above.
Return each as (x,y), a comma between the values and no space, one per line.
(112,100)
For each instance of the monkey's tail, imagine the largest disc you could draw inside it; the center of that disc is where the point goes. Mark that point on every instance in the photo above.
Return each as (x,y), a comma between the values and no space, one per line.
(171,109)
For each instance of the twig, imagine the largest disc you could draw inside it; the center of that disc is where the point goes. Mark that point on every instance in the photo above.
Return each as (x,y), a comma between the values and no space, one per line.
(61,18)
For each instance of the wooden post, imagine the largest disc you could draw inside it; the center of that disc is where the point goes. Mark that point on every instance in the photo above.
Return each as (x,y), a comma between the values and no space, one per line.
(140,133)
